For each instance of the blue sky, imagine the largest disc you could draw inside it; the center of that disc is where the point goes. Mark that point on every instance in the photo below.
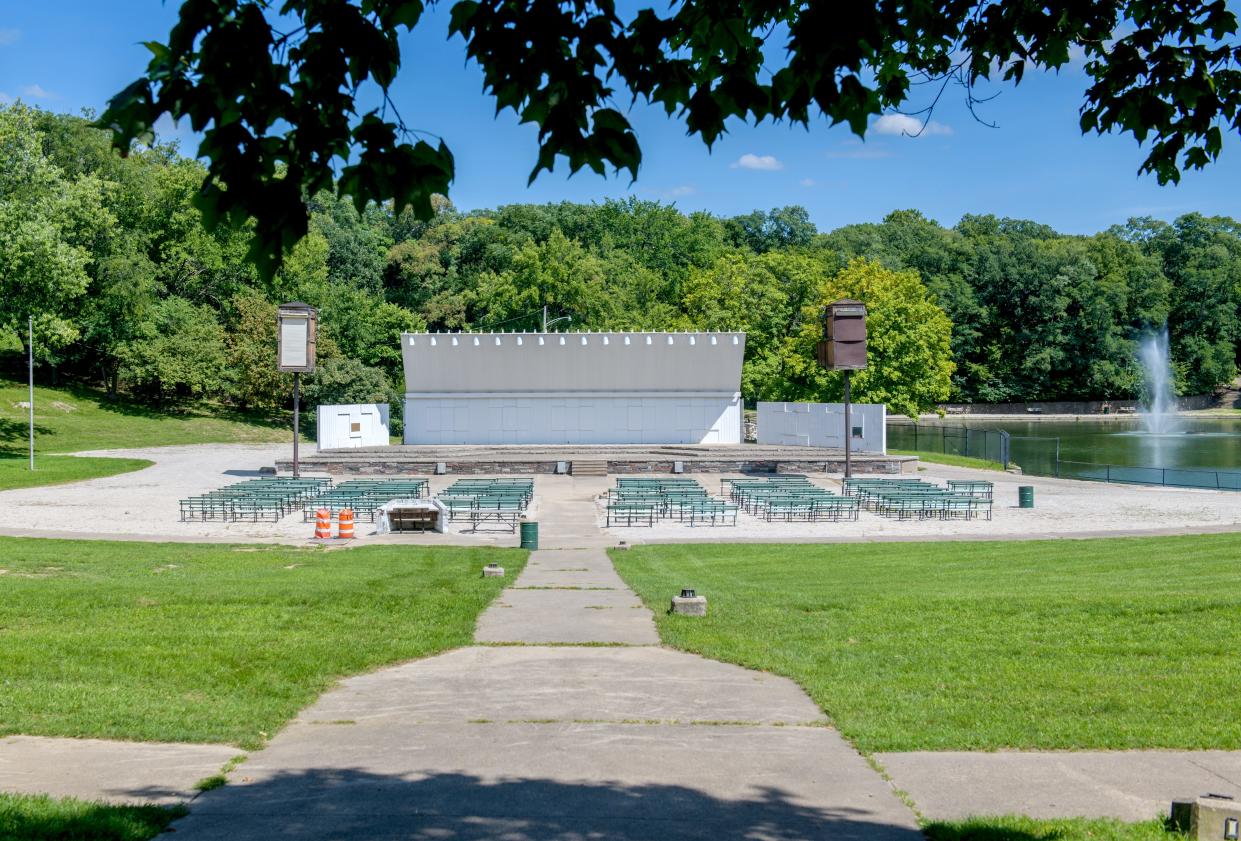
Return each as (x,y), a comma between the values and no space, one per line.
(67,55)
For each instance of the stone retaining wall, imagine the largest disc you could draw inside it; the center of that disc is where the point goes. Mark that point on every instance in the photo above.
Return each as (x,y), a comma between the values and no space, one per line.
(388,467)
(1071,407)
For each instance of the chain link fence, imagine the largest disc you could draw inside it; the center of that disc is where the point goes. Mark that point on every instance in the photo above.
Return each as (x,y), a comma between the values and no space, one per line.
(948,439)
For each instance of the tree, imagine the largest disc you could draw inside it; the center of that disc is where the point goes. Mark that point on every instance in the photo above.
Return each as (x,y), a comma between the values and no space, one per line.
(279,92)
(1201,257)
(762,295)
(558,274)
(47,224)
(909,364)
(254,381)
(177,354)
(781,227)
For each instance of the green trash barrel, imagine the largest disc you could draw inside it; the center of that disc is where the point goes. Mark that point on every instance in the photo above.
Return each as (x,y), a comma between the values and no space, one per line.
(1025,496)
(529,535)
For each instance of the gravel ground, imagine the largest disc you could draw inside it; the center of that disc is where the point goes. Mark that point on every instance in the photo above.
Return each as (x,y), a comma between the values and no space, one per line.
(1063,508)
(144,505)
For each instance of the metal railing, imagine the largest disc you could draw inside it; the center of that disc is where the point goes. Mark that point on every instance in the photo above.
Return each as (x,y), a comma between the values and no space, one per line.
(1176,477)
(1040,456)
(950,439)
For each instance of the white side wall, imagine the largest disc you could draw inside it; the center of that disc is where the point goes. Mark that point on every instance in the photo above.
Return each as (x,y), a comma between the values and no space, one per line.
(823,425)
(574,418)
(355,425)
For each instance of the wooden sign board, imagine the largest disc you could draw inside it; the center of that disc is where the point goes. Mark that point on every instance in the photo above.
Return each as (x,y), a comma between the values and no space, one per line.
(297,327)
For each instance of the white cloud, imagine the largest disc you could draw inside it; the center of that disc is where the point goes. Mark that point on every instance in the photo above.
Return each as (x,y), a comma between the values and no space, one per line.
(909,126)
(680,191)
(766,163)
(37,92)
(9,36)
(807,182)
(5,99)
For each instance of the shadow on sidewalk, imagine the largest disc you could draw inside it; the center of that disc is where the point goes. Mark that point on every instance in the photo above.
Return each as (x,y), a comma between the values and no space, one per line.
(351,803)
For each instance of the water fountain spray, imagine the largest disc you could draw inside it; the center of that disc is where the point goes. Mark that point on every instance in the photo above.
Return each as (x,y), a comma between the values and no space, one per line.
(1159,408)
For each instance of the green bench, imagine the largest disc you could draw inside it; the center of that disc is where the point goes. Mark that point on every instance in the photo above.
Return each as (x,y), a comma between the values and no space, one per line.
(631,513)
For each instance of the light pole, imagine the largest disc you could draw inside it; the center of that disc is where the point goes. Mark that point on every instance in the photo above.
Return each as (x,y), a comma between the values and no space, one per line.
(30,377)
(296,332)
(547,323)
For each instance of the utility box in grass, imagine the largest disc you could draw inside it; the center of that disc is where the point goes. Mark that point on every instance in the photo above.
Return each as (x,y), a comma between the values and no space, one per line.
(1209,818)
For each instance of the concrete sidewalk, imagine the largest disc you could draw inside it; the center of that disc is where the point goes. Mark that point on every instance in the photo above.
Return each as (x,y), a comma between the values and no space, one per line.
(1129,785)
(93,769)
(567,596)
(531,742)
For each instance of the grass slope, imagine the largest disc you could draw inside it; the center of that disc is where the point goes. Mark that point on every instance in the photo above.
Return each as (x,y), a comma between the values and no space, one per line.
(70,420)
(199,643)
(1016,828)
(42,818)
(950,459)
(1124,643)
(56,470)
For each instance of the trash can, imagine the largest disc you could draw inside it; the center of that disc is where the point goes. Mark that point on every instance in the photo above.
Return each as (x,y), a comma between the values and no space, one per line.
(529,535)
(1025,496)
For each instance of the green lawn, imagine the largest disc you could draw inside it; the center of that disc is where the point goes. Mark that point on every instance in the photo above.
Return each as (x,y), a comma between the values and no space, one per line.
(1123,643)
(1016,828)
(56,470)
(41,818)
(70,420)
(199,643)
(950,459)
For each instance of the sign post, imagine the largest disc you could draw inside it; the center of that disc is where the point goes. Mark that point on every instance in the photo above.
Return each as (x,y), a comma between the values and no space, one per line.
(296,332)
(844,349)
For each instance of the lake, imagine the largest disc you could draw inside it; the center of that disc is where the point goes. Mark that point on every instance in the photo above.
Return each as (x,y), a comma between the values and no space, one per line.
(1198,443)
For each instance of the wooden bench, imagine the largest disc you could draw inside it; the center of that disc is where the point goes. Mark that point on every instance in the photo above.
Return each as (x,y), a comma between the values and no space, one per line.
(413,519)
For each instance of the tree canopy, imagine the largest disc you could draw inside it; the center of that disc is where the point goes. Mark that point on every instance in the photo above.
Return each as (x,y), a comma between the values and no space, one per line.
(129,291)
(277,90)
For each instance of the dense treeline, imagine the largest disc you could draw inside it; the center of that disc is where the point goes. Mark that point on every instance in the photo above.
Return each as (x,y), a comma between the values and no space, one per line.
(129,291)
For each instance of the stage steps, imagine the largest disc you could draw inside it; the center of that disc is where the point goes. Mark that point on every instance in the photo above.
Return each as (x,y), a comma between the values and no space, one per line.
(589,468)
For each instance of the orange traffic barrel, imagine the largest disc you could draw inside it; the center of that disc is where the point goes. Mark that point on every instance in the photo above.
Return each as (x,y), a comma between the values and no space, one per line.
(344,524)
(323,524)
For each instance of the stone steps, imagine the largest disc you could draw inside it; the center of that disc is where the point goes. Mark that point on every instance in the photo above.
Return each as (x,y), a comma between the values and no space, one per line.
(589,468)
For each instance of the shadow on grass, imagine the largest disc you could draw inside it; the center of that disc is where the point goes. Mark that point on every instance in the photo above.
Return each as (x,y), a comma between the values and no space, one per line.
(13,432)
(1020,828)
(323,803)
(178,411)
(41,818)
(979,829)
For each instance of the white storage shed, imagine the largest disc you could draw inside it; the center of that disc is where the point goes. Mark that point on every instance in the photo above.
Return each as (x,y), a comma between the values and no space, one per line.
(355,425)
(573,388)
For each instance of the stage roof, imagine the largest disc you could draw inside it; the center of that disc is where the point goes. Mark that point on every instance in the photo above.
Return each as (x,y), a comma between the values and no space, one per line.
(471,363)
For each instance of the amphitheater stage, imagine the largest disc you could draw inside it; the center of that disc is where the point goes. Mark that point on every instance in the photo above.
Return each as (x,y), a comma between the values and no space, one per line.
(590,460)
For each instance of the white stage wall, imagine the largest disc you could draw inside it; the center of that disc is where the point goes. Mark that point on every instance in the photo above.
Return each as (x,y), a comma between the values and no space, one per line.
(573,388)
(823,425)
(355,425)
